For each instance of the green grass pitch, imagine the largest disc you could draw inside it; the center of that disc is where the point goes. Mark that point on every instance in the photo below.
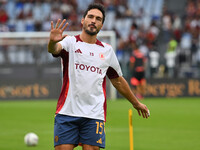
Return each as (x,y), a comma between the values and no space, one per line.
(174,124)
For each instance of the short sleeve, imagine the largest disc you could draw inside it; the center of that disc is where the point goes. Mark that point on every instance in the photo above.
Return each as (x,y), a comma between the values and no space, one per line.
(66,43)
(114,69)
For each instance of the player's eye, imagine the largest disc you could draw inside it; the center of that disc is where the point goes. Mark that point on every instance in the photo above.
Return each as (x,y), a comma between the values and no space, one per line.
(99,18)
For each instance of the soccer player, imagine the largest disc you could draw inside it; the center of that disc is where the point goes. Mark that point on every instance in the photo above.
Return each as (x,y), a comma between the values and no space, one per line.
(137,66)
(81,107)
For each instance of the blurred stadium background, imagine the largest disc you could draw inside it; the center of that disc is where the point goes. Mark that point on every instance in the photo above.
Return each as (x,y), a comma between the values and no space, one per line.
(167,32)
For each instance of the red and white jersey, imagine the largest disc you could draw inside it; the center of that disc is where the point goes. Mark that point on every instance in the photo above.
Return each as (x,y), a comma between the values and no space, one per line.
(85,67)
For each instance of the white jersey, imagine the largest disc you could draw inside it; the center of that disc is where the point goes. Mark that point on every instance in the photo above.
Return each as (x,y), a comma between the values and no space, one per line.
(85,67)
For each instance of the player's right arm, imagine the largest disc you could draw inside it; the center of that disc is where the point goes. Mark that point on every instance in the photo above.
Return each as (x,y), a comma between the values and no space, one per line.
(56,35)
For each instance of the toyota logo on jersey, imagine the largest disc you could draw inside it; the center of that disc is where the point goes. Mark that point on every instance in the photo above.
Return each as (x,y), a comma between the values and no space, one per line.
(88,68)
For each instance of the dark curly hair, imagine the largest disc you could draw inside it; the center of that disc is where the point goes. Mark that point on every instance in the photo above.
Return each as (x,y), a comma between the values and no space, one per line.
(96,6)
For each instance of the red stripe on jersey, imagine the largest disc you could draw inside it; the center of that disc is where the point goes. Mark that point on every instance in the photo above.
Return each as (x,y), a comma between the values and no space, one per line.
(105,102)
(65,87)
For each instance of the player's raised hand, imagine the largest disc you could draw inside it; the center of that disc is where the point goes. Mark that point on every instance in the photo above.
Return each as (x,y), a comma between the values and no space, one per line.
(56,33)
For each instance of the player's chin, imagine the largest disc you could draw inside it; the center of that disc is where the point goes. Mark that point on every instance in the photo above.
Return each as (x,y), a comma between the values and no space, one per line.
(92,32)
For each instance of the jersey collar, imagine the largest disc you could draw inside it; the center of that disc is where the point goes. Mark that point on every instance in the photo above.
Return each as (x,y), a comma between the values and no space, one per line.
(79,39)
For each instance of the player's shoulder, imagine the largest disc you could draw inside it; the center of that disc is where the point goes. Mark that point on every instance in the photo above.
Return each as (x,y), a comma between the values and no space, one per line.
(106,46)
(71,37)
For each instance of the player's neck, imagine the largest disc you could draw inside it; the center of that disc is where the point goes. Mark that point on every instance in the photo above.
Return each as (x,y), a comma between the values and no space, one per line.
(88,38)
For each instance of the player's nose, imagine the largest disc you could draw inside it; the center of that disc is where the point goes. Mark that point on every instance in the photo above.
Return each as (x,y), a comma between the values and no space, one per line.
(93,20)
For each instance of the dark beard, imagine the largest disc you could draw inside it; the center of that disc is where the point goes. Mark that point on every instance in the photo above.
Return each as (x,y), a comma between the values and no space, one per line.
(91,32)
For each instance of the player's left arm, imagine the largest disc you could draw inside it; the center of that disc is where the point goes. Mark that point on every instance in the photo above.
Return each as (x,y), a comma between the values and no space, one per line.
(123,88)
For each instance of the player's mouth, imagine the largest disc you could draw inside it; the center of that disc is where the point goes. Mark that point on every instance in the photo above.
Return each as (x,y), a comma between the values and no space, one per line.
(92,26)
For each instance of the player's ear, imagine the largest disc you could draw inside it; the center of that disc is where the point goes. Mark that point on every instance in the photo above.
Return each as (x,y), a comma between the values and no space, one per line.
(82,20)
(102,26)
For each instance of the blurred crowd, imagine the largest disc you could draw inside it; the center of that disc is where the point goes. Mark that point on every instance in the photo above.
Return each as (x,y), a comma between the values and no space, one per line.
(181,33)
(169,41)
(34,15)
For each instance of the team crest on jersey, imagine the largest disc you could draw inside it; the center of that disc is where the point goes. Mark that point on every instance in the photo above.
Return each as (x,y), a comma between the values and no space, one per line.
(101,55)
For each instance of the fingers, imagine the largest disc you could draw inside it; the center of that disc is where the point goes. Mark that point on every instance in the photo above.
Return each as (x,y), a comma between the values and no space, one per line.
(57,24)
(139,113)
(142,110)
(51,25)
(145,113)
(148,113)
(63,25)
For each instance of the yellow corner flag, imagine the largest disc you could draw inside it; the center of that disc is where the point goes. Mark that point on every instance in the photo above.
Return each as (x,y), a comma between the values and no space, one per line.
(130,129)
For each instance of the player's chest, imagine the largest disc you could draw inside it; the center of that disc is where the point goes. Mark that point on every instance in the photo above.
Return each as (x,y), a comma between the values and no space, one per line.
(89,54)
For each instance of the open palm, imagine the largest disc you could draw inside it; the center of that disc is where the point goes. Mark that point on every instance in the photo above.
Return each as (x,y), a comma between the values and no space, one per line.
(56,33)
